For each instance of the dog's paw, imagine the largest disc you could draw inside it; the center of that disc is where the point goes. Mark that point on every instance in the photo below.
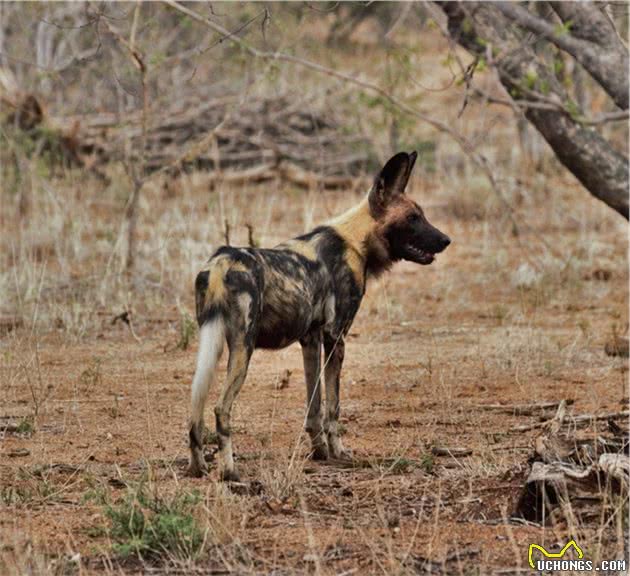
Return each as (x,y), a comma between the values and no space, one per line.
(230,476)
(197,469)
(343,454)
(337,450)
(320,452)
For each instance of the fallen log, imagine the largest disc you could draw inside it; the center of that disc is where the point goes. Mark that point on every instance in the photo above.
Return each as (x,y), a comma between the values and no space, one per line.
(574,478)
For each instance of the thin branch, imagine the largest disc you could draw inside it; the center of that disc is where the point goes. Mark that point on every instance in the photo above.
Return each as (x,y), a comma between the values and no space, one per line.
(334,7)
(441,126)
(589,156)
(399,20)
(76,59)
(134,27)
(190,153)
(543,102)
(617,116)
(136,56)
(520,105)
(87,24)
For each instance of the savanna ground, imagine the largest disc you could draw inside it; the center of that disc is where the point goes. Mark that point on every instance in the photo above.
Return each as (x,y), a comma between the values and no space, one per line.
(94,408)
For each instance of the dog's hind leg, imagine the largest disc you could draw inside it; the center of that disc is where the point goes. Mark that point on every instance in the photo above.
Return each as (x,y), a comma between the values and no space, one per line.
(311,353)
(238,363)
(211,340)
(240,331)
(334,349)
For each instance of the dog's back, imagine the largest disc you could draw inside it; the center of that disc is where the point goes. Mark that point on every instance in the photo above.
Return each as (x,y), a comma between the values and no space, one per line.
(282,292)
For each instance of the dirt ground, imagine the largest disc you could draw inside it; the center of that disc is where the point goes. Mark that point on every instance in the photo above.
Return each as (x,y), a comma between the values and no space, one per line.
(497,319)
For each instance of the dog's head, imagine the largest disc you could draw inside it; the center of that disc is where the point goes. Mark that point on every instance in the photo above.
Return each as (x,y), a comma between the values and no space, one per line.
(402,230)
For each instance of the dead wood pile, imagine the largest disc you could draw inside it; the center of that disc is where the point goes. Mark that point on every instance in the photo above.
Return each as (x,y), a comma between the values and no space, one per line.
(264,131)
(253,139)
(575,478)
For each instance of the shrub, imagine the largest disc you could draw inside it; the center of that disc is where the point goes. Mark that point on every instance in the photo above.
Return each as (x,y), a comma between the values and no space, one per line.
(154,527)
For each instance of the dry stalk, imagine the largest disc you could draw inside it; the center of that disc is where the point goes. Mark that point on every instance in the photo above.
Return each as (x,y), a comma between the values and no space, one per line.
(136,173)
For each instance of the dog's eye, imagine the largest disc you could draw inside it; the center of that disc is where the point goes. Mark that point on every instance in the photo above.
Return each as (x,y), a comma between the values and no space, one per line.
(413,217)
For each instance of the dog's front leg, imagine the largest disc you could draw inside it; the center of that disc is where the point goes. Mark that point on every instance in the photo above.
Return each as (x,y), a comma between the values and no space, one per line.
(333,357)
(311,352)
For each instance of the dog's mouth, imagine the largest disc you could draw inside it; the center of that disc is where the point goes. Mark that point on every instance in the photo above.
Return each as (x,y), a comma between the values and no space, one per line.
(415,254)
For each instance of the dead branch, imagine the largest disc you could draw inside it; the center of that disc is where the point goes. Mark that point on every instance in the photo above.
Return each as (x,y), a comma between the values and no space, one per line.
(573,477)
(524,409)
(453,451)
(135,171)
(521,105)
(271,136)
(575,420)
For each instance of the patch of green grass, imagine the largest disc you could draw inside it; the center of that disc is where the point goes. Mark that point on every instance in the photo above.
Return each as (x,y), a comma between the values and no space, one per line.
(563,29)
(95,531)
(26,427)
(427,462)
(402,465)
(149,526)
(96,494)
(530,79)
(9,496)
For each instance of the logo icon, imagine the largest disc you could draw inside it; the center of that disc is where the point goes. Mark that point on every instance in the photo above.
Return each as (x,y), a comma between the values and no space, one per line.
(571,543)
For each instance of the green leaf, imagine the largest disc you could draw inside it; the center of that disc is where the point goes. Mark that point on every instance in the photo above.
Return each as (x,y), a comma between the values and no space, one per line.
(563,29)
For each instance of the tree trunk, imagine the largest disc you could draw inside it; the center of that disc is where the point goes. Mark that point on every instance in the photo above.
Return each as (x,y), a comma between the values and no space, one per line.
(483,29)
(604,55)
(588,35)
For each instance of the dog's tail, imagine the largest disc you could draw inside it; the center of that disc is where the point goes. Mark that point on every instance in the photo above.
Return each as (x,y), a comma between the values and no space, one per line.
(211,341)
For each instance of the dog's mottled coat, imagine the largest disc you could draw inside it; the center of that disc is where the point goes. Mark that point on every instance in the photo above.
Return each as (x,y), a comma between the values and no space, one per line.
(309,290)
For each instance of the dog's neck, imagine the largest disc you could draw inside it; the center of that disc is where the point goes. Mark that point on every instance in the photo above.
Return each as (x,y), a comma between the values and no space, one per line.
(360,230)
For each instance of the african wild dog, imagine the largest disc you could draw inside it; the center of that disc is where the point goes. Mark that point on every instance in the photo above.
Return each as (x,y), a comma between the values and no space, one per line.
(308,290)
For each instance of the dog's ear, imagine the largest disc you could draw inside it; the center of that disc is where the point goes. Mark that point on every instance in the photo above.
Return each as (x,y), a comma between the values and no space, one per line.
(392,180)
